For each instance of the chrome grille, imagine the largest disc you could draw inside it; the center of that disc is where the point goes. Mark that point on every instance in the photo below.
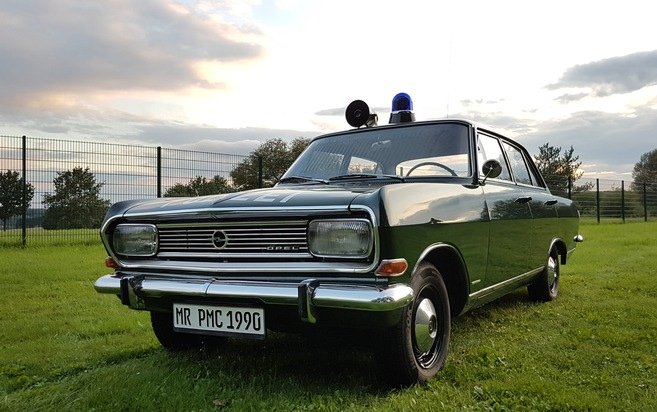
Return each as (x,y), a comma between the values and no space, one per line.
(234,239)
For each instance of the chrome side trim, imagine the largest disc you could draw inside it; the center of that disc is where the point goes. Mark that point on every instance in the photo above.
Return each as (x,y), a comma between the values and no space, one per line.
(502,285)
(338,296)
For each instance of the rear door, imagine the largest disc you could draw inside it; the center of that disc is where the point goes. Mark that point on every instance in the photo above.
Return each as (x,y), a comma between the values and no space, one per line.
(510,217)
(542,204)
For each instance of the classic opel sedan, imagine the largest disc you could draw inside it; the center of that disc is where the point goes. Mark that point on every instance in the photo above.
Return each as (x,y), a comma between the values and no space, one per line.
(390,229)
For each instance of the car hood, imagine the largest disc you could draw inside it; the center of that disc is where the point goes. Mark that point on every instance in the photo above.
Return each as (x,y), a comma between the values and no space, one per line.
(276,197)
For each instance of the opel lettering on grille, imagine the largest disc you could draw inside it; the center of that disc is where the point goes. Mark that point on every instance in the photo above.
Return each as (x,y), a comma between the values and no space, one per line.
(279,248)
(219,239)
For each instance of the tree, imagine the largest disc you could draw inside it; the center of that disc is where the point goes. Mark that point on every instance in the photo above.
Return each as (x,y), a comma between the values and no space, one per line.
(560,169)
(645,177)
(76,202)
(12,201)
(277,156)
(200,186)
(645,170)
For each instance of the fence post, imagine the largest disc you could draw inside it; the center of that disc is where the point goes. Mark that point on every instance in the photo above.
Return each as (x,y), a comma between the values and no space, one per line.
(159,171)
(24,195)
(645,203)
(597,199)
(623,200)
(570,187)
(259,171)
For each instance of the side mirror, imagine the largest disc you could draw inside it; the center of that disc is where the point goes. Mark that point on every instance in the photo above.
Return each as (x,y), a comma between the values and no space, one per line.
(492,168)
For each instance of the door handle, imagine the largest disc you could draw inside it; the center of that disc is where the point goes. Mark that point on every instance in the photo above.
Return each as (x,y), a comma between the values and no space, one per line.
(524,199)
(551,202)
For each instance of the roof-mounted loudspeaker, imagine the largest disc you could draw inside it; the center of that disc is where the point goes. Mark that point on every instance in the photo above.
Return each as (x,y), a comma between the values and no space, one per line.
(358,114)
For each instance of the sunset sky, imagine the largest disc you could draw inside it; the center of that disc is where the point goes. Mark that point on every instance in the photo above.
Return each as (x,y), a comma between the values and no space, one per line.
(227,75)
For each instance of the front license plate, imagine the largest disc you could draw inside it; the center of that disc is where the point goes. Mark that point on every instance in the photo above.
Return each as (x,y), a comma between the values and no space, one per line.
(224,320)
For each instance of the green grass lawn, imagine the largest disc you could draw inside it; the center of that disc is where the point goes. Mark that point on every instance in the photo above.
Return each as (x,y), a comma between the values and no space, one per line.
(65,347)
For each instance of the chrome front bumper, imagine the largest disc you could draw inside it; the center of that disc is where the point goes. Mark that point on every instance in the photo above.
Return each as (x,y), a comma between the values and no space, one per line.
(306,295)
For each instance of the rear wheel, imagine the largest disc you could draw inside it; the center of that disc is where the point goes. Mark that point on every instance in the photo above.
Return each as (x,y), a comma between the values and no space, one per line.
(546,286)
(416,349)
(162,323)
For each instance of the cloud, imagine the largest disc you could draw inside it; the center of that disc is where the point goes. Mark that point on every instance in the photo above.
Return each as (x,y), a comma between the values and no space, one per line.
(201,137)
(470,102)
(614,75)
(86,123)
(58,50)
(604,141)
(608,140)
(339,111)
(567,98)
(498,121)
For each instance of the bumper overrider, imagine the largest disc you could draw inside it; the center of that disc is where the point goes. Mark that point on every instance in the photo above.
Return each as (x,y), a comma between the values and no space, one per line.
(309,295)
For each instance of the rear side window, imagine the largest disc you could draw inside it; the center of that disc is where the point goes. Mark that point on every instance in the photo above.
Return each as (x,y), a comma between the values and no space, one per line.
(489,148)
(518,165)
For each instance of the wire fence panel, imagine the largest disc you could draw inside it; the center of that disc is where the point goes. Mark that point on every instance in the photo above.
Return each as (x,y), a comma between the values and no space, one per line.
(182,166)
(66,181)
(57,191)
(606,199)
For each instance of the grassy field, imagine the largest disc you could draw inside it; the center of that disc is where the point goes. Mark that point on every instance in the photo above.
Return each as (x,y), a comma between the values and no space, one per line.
(65,347)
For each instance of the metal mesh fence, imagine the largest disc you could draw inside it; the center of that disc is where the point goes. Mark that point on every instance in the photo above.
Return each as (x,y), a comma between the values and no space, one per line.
(38,169)
(606,199)
(180,166)
(119,172)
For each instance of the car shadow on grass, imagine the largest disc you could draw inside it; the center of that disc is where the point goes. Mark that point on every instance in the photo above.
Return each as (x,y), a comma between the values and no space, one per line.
(325,361)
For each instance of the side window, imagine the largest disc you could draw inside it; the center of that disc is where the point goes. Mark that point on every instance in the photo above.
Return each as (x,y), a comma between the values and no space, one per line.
(518,165)
(489,148)
(358,165)
(535,179)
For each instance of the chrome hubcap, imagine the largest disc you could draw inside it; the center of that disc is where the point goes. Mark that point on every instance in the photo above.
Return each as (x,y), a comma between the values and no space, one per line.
(552,272)
(426,326)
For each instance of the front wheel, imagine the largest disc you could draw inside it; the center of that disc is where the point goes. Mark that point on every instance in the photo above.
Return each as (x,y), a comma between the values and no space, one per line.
(416,349)
(546,286)
(171,340)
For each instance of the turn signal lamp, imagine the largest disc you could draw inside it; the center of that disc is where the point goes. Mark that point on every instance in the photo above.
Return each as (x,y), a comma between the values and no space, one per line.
(111,263)
(392,267)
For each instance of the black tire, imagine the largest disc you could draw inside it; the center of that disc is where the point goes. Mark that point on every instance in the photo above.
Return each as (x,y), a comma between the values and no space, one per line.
(410,354)
(545,287)
(171,340)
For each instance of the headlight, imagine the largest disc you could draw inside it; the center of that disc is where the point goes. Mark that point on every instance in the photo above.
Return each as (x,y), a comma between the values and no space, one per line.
(135,240)
(350,238)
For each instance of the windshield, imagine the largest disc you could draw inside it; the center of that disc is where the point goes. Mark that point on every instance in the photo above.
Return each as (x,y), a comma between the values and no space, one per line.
(422,150)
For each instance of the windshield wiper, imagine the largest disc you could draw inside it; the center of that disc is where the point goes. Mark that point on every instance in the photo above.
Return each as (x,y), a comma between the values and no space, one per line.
(301,179)
(354,176)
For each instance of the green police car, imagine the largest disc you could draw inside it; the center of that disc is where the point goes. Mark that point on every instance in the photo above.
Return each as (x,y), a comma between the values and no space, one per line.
(391,230)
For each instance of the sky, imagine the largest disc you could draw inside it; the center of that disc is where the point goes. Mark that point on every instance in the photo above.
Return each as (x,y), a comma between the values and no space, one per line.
(227,75)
